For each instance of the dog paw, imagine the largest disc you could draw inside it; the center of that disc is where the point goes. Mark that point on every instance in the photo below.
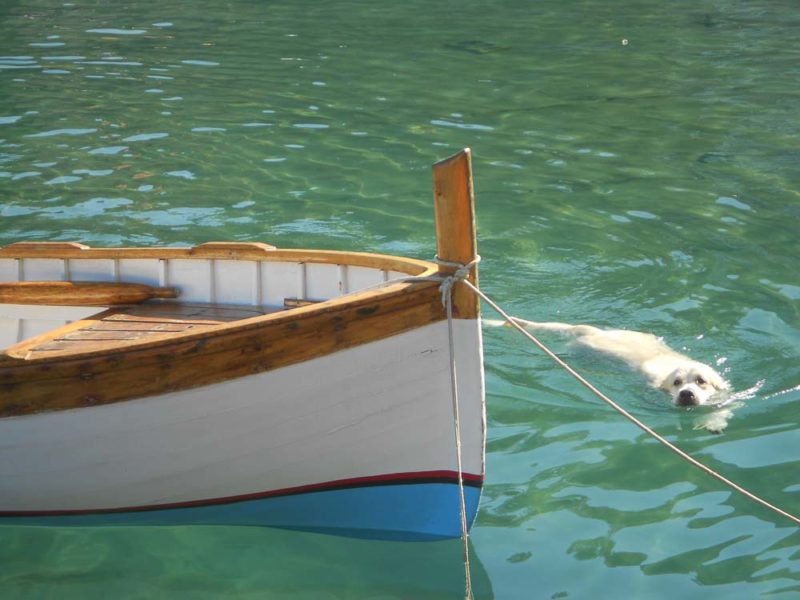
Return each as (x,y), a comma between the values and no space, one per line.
(715,422)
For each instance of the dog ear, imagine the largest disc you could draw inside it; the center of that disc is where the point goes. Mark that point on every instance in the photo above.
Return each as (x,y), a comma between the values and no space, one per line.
(721,384)
(667,384)
(716,380)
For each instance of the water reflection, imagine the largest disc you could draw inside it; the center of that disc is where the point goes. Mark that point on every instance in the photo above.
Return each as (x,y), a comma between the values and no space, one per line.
(240,561)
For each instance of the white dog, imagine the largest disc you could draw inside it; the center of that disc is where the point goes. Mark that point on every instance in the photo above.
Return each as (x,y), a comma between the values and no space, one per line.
(690,383)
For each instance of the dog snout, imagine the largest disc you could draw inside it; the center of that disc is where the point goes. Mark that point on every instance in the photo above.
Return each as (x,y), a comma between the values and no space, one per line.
(687,398)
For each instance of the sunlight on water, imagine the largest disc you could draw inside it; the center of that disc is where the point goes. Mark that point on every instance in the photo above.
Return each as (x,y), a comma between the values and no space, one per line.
(635,166)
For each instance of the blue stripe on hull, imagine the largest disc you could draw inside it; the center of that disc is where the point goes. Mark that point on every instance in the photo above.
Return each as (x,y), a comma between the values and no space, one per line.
(409,512)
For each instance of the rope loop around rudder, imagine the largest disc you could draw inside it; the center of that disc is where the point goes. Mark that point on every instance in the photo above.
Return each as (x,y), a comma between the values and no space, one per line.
(460,274)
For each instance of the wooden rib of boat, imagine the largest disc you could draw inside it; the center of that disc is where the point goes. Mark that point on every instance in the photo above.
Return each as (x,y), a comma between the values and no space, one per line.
(241,384)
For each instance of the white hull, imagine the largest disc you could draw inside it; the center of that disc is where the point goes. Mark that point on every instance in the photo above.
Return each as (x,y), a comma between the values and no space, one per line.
(379,410)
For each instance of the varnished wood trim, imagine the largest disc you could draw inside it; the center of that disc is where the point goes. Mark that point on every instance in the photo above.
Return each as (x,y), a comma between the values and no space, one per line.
(122,371)
(80,293)
(221,250)
(228,249)
(117,325)
(21,349)
(296,302)
(37,248)
(454,207)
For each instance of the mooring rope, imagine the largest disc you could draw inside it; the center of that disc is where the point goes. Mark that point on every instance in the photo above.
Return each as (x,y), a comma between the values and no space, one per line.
(446,285)
(707,470)
(446,288)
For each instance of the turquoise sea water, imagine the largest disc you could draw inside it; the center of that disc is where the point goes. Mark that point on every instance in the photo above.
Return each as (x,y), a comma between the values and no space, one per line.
(636,166)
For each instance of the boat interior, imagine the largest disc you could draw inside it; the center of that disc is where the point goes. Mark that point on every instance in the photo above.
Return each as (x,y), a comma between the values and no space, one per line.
(215,283)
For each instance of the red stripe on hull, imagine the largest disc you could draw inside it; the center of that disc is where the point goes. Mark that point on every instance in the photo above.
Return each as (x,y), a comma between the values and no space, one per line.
(469,479)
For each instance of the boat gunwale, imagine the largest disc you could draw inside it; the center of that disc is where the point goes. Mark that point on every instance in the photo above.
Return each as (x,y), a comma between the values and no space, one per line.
(247,347)
(229,251)
(241,251)
(13,355)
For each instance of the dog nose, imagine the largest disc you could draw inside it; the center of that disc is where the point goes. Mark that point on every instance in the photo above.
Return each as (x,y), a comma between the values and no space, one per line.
(687,398)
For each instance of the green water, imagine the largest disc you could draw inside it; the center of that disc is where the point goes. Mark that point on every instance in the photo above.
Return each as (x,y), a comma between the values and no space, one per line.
(636,166)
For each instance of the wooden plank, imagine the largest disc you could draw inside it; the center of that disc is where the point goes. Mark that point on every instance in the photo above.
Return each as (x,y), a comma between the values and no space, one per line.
(179,311)
(255,251)
(46,248)
(231,250)
(88,339)
(156,318)
(97,333)
(102,333)
(119,371)
(295,302)
(74,293)
(113,323)
(126,320)
(21,348)
(454,207)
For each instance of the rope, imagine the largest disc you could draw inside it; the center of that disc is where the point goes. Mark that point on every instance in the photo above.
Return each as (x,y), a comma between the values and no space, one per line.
(460,274)
(707,470)
(446,285)
(446,290)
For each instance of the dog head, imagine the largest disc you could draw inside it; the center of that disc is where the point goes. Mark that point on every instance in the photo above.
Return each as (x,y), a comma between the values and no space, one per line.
(693,384)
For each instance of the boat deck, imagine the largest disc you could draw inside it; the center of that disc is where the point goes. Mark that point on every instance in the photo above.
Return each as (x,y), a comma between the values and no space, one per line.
(148,321)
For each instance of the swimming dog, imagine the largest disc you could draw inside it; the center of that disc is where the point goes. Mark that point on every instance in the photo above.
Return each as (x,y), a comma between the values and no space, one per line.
(689,382)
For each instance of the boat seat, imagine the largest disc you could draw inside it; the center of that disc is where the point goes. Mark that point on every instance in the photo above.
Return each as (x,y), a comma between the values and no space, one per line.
(147,321)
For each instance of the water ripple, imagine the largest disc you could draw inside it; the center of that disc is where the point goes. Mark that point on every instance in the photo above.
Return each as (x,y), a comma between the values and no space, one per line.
(108,150)
(145,137)
(200,63)
(57,132)
(458,125)
(113,31)
(628,500)
(753,453)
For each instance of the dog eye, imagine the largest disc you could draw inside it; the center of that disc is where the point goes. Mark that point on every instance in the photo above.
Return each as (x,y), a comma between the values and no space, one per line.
(700,381)
(677,381)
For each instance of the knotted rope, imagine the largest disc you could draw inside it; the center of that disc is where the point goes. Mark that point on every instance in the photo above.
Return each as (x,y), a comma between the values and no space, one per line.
(460,274)
(446,290)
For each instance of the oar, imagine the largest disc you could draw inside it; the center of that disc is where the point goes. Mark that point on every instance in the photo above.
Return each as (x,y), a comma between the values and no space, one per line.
(80,293)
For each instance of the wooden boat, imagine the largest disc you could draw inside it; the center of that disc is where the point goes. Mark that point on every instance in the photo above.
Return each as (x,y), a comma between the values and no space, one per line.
(241,384)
